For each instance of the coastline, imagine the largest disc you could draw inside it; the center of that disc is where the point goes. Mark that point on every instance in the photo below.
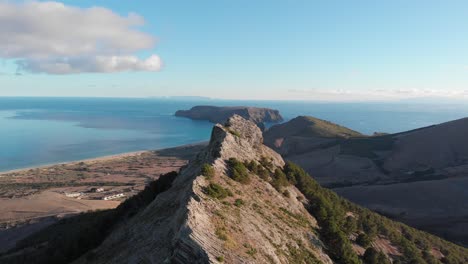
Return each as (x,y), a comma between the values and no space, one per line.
(97,159)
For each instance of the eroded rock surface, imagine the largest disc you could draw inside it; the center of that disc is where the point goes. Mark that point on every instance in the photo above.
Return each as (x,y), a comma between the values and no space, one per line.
(256,224)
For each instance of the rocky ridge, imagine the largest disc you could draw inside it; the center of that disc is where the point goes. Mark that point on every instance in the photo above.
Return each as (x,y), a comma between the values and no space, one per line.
(255,224)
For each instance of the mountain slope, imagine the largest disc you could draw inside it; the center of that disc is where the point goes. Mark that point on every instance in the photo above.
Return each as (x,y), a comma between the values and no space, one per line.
(307,126)
(303,133)
(433,158)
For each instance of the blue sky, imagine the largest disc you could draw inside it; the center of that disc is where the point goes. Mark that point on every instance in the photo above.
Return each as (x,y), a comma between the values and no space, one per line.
(313,50)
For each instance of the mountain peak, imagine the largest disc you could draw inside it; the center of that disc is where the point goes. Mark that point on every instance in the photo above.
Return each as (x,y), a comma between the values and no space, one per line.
(241,139)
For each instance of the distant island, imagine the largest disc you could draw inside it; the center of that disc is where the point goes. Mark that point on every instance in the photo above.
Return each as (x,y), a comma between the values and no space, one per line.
(216,114)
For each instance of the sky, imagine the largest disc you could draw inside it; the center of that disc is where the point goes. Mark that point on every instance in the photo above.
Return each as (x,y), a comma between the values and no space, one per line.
(243,49)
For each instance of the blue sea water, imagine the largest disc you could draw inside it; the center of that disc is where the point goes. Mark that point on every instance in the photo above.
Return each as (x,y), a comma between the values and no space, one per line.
(38,131)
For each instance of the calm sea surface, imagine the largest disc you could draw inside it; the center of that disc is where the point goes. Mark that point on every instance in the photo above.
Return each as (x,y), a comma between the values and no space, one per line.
(38,131)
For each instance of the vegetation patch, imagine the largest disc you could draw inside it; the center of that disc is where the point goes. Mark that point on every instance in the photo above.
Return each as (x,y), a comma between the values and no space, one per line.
(221,233)
(239,202)
(252,166)
(217,191)
(363,240)
(372,256)
(331,212)
(266,163)
(238,171)
(301,220)
(250,250)
(233,132)
(301,255)
(279,180)
(207,170)
(263,173)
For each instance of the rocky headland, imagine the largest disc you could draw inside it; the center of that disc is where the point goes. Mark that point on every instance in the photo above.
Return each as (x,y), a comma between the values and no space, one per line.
(217,114)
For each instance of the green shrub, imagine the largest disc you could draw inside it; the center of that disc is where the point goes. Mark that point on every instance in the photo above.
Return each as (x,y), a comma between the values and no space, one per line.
(279,180)
(217,191)
(220,258)
(250,249)
(286,194)
(263,173)
(372,256)
(221,233)
(239,202)
(235,133)
(266,163)
(238,171)
(252,166)
(363,240)
(207,170)
(350,225)
(301,255)
(324,205)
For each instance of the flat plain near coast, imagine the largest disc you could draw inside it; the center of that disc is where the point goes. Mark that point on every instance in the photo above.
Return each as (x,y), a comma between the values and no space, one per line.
(36,197)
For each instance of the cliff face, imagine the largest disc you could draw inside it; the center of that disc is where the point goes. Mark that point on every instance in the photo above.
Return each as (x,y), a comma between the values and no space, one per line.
(254,223)
(216,114)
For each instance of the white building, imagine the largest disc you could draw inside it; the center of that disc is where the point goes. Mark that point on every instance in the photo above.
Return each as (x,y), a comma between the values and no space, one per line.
(73,194)
(115,196)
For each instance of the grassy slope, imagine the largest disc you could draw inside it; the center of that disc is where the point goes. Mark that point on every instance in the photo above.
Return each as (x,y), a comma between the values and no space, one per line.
(306,126)
(341,222)
(332,213)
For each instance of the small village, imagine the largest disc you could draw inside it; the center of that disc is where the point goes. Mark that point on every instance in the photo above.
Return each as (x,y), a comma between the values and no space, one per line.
(101,194)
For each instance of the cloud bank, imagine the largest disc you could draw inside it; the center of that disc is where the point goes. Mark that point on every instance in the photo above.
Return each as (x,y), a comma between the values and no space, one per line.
(377,94)
(50,37)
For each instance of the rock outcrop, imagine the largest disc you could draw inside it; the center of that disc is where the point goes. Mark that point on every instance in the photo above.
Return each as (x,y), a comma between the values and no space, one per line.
(217,114)
(256,224)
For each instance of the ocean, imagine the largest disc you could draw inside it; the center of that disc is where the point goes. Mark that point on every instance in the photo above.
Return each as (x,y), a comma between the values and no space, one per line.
(40,131)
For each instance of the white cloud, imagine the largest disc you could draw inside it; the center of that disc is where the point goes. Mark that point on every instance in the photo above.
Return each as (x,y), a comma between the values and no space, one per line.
(90,64)
(54,38)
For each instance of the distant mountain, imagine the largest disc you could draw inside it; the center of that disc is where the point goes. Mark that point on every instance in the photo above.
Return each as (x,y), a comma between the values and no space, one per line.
(419,177)
(304,132)
(184,98)
(236,202)
(306,126)
(217,114)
